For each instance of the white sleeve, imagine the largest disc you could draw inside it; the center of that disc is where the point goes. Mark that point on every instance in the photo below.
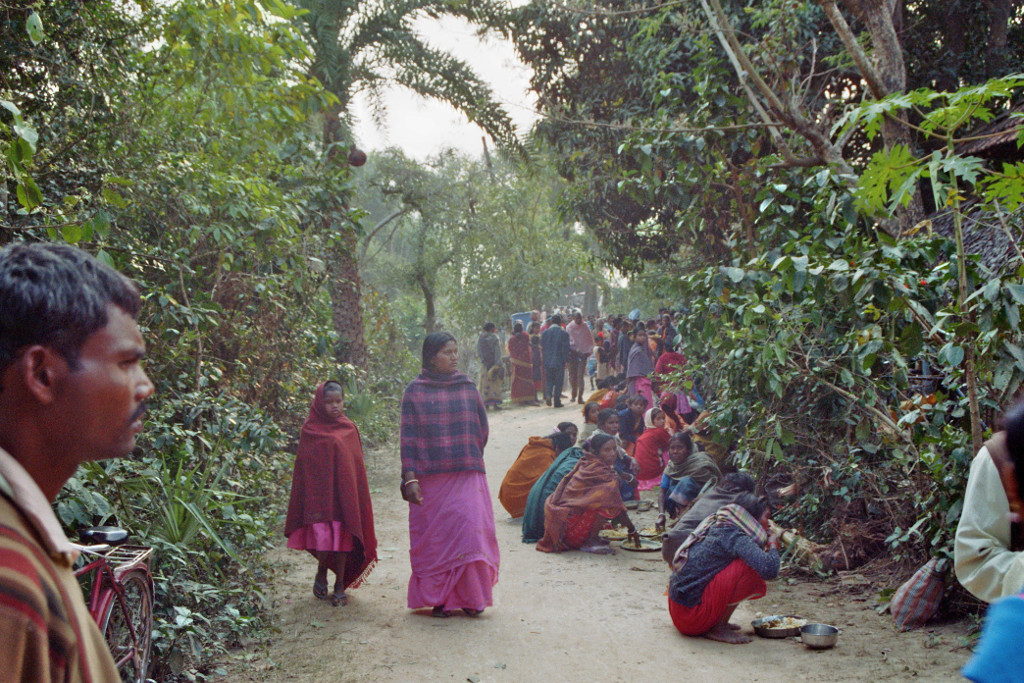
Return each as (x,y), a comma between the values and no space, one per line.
(984,564)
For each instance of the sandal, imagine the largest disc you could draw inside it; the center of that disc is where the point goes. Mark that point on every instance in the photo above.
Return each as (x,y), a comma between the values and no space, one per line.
(472,612)
(338,598)
(439,612)
(320,588)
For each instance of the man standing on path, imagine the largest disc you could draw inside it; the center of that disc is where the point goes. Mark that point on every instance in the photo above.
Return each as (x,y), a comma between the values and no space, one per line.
(72,390)
(554,344)
(581,346)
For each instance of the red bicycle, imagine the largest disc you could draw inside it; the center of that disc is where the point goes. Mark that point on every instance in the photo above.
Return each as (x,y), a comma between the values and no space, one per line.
(120,596)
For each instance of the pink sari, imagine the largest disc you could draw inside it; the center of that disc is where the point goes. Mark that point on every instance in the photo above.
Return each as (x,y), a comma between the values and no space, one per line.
(453,548)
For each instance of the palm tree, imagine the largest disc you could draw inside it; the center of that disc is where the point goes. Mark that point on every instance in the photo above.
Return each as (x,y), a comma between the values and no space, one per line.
(365,47)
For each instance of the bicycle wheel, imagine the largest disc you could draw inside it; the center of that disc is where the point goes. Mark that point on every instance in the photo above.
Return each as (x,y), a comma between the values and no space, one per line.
(132,655)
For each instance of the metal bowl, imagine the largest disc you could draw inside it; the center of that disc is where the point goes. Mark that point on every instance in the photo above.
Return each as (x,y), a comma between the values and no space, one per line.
(819,636)
(762,628)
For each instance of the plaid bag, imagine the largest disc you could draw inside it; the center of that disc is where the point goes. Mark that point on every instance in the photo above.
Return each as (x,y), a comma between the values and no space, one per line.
(918,599)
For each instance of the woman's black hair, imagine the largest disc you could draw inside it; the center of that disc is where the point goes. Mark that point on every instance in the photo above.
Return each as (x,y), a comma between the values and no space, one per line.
(334,387)
(636,398)
(433,344)
(490,327)
(753,503)
(517,327)
(739,481)
(588,406)
(565,426)
(606,415)
(1013,423)
(561,440)
(599,440)
(683,438)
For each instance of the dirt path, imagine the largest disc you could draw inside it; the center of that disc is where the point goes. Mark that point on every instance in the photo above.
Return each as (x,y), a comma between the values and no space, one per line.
(568,617)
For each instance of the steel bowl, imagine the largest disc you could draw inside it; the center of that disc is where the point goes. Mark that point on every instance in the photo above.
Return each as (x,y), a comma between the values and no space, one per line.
(819,636)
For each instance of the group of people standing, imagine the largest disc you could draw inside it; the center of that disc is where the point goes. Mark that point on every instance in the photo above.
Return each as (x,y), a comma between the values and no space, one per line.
(542,354)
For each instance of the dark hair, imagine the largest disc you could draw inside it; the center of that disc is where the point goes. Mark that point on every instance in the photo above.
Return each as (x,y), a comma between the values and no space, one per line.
(655,412)
(739,481)
(490,327)
(683,438)
(561,440)
(1013,422)
(564,426)
(534,325)
(517,327)
(587,408)
(635,398)
(753,503)
(56,295)
(605,415)
(599,440)
(334,387)
(556,319)
(433,344)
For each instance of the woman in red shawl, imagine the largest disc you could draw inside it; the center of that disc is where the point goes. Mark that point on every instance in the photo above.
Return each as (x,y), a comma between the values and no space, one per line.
(330,514)
(651,450)
(584,500)
(522,389)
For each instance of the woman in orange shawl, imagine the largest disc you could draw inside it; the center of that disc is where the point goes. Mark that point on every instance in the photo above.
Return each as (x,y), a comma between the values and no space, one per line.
(533,461)
(583,501)
(522,389)
(329,513)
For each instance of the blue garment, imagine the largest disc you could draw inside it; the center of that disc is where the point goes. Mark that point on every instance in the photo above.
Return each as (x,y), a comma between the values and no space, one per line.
(533,516)
(999,657)
(678,492)
(554,347)
(623,466)
(713,553)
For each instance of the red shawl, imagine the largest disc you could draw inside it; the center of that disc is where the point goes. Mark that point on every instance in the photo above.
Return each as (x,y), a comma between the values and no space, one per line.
(329,485)
(670,361)
(592,485)
(522,367)
(648,452)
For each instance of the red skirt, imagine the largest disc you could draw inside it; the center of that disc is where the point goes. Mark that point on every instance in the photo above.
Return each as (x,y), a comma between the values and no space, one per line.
(579,526)
(731,586)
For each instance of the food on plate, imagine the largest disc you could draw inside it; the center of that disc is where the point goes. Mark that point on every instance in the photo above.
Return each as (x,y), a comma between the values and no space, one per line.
(613,534)
(784,622)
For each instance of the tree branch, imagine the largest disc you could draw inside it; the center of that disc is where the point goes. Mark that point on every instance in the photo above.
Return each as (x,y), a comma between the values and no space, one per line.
(867,70)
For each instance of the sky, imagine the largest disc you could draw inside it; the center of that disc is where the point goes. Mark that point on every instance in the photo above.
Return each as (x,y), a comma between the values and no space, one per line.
(422,127)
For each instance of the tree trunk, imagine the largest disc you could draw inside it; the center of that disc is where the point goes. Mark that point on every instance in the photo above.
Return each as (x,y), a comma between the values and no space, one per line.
(346,297)
(430,319)
(998,32)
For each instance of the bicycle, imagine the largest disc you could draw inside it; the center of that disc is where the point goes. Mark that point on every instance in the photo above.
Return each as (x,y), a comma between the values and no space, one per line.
(120,597)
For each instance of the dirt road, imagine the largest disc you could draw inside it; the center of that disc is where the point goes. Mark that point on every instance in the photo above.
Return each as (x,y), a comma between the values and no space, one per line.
(568,617)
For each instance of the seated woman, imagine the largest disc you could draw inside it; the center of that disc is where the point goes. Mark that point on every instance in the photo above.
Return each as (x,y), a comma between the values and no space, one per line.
(625,465)
(631,423)
(728,491)
(724,562)
(533,515)
(651,450)
(583,503)
(685,475)
(590,411)
(533,460)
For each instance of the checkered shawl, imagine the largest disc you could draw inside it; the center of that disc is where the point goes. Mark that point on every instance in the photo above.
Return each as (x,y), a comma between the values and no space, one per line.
(732,514)
(444,425)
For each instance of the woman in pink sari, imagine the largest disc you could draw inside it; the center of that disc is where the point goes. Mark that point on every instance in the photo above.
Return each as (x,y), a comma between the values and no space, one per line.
(452,544)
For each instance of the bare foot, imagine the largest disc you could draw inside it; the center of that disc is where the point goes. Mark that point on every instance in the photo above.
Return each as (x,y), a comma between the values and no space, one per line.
(734,627)
(598,549)
(725,635)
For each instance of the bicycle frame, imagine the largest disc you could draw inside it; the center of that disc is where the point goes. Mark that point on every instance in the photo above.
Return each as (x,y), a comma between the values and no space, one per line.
(110,565)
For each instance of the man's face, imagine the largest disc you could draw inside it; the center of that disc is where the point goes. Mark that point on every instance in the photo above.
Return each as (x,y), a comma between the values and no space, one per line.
(103,401)
(578,318)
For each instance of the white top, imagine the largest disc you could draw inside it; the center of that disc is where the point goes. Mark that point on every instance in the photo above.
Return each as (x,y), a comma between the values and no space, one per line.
(984,563)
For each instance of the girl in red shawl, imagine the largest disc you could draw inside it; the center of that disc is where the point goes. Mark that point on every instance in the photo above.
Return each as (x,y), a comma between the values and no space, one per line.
(651,450)
(584,500)
(330,514)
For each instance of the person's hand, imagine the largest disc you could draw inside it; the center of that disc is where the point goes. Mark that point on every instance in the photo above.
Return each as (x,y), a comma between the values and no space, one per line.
(773,539)
(659,524)
(634,466)
(413,494)
(633,537)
